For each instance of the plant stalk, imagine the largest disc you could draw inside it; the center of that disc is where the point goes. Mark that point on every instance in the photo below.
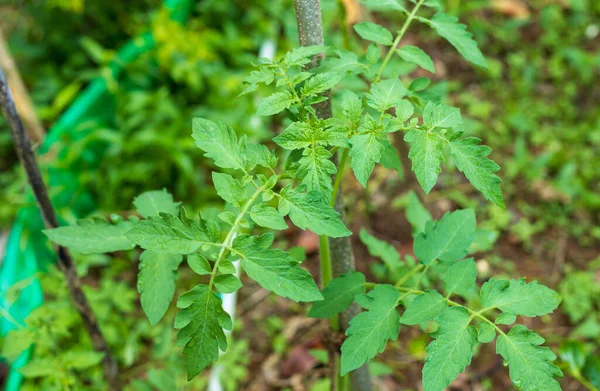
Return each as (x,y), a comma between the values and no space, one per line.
(65,262)
(310,32)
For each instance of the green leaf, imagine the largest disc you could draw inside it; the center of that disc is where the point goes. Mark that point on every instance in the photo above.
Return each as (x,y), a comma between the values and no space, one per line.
(227,283)
(316,169)
(375,33)
(304,135)
(424,308)
(152,203)
(40,367)
(229,189)
(447,27)
(17,341)
(390,158)
(416,214)
(518,297)
(471,159)
(426,154)
(167,234)
(351,106)
(277,271)
(530,365)
(267,216)
(301,55)
(486,333)
(386,94)
(506,318)
(451,350)
(369,331)
(417,56)
(448,239)
(320,83)
(385,5)
(380,249)
(367,149)
(275,103)
(219,142)
(199,264)
(373,53)
(460,277)
(311,210)
(201,321)
(338,295)
(156,283)
(81,358)
(93,236)
(441,116)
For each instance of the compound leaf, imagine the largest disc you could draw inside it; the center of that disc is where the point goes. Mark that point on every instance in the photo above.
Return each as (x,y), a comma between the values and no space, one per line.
(530,365)
(369,331)
(451,350)
(201,321)
(426,154)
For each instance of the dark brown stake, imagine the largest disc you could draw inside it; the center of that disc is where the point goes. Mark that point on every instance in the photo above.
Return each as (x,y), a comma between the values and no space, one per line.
(65,262)
(310,32)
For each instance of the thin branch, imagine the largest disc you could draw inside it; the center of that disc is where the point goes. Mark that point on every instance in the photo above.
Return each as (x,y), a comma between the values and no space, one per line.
(65,262)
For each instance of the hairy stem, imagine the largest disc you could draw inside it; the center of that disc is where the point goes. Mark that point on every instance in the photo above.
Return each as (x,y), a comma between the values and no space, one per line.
(310,32)
(65,262)
(390,53)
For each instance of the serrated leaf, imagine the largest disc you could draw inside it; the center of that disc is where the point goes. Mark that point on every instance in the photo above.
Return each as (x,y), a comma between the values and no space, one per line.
(167,234)
(440,115)
(267,216)
(229,189)
(417,56)
(338,295)
(199,264)
(301,55)
(219,142)
(227,283)
(367,149)
(451,350)
(471,159)
(378,248)
(311,210)
(448,239)
(277,271)
(275,103)
(447,27)
(320,83)
(423,308)
(201,321)
(416,214)
(426,154)
(93,236)
(486,333)
(375,33)
(156,283)
(152,203)
(369,331)
(351,106)
(303,135)
(460,277)
(530,365)
(518,297)
(404,110)
(316,170)
(386,94)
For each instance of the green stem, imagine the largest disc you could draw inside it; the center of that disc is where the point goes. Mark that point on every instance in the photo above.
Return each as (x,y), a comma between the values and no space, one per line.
(583,381)
(227,242)
(408,275)
(326,274)
(338,177)
(390,53)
